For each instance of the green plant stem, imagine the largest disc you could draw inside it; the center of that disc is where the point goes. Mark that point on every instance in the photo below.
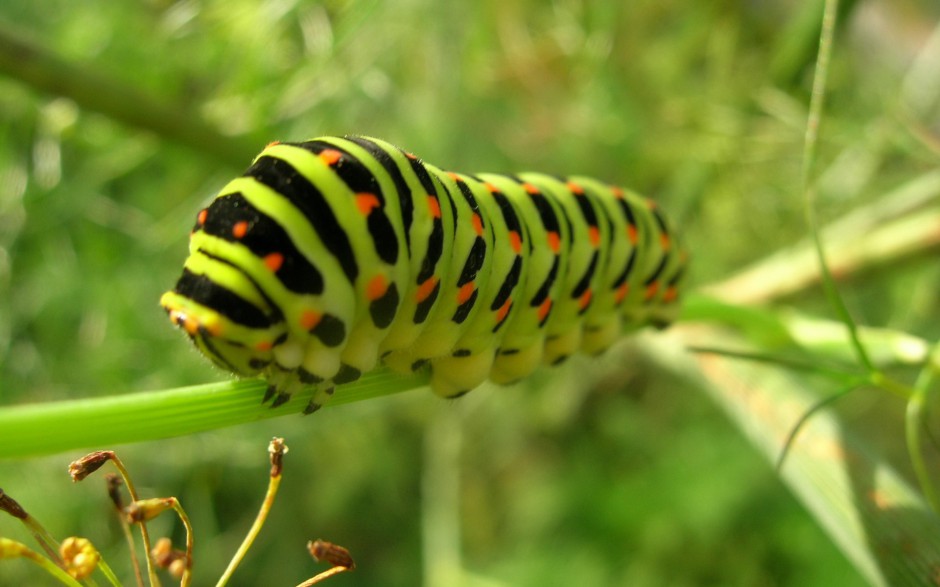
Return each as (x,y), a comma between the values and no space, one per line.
(187,578)
(273,484)
(11,548)
(108,572)
(144,532)
(36,429)
(795,49)
(43,70)
(48,428)
(809,156)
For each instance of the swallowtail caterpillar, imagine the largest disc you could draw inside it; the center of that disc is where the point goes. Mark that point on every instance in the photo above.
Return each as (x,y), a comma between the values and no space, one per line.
(330,255)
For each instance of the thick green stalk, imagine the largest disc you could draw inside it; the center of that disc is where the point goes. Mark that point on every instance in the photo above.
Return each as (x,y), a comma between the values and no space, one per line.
(36,429)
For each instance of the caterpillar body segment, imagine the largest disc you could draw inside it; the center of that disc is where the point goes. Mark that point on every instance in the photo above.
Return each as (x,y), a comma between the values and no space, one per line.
(333,254)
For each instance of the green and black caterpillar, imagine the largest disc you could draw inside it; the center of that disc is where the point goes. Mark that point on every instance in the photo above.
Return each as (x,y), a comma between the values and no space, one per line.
(330,254)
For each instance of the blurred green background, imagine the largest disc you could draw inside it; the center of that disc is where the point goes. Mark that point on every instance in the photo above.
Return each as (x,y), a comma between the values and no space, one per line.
(598,473)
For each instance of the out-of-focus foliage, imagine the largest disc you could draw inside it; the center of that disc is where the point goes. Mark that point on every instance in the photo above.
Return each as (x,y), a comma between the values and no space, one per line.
(623,477)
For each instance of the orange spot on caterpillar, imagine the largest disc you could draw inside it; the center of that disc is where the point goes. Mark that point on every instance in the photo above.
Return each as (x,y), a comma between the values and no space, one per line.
(632,234)
(366,203)
(503,311)
(617,191)
(189,324)
(575,188)
(530,189)
(515,240)
(263,346)
(272,144)
(585,299)
(309,319)
(201,217)
(434,206)
(671,293)
(664,241)
(454,176)
(621,292)
(273,261)
(544,309)
(240,229)
(477,224)
(554,242)
(651,290)
(214,329)
(594,235)
(425,289)
(464,293)
(411,156)
(330,156)
(490,187)
(376,288)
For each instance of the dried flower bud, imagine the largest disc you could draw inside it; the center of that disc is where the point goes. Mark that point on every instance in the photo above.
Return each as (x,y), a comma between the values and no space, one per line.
(80,557)
(144,510)
(11,506)
(89,463)
(277,449)
(328,552)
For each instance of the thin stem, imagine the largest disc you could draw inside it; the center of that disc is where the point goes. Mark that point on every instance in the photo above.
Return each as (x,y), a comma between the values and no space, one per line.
(814,409)
(795,363)
(144,533)
(277,450)
(12,549)
(46,541)
(252,533)
(43,70)
(324,575)
(187,577)
(108,572)
(811,140)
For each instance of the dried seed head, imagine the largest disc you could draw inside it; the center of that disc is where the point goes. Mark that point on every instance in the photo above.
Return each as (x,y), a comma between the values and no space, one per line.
(114,483)
(166,557)
(89,463)
(80,557)
(277,449)
(11,506)
(144,510)
(177,567)
(162,549)
(328,552)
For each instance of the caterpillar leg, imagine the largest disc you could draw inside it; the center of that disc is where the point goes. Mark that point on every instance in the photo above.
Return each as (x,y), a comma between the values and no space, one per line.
(511,365)
(320,397)
(454,376)
(598,337)
(561,346)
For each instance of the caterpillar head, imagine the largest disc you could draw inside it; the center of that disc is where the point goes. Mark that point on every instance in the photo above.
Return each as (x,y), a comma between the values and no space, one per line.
(232,332)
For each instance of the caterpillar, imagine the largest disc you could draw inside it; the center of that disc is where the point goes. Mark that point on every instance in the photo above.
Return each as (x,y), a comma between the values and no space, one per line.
(330,255)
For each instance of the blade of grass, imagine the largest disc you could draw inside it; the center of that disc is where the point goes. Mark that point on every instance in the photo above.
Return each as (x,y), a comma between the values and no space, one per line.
(809,190)
(881,523)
